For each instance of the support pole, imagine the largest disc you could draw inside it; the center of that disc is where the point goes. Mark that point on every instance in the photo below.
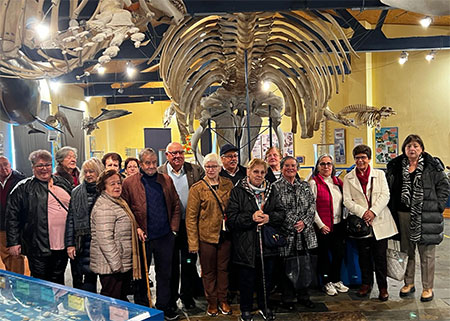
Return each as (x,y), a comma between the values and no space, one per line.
(248,103)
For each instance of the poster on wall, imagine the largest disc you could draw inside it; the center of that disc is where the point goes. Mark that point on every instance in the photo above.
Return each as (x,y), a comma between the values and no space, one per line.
(262,144)
(339,148)
(386,144)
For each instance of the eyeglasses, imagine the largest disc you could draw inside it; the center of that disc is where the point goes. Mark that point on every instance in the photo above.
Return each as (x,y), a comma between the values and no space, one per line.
(176,152)
(326,164)
(41,166)
(211,166)
(231,156)
(361,157)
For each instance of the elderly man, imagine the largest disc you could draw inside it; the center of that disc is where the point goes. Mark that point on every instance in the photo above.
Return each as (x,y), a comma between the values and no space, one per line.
(154,201)
(8,179)
(183,175)
(231,169)
(36,219)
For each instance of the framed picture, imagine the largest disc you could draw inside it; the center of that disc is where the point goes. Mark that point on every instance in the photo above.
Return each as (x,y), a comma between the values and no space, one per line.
(339,146)
(386,144)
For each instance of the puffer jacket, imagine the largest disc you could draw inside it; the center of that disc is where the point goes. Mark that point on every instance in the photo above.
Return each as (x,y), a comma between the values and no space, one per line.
(111,250)
(436,189)
(15,178)
(27,217)
(78,225)
(241,207)
(204,217)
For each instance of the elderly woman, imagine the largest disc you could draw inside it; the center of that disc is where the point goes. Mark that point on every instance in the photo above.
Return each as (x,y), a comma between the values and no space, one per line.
(327,190)
(253,203)
(419,192)
(114,243)
(298,225)
(131,166)
(36,219)
(205,225)
(366,194)
(66,159)
(273,158)
(78,225)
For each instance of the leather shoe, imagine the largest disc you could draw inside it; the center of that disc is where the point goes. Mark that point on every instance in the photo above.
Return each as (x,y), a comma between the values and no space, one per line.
(307,303)
(406,290)
(225,308)
(189,304)
(384,295)
(427,295)
(364,290)
(212,310)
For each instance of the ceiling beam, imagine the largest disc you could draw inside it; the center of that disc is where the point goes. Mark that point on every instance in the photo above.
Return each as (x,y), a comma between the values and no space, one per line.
(129,100)
(105,90)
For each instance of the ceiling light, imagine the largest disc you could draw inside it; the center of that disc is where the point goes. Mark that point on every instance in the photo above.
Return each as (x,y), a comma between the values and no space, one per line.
(130,69)
(403,58)
(265,85)
(55,85)
(42,30)
(152,100)
(431,55)
(101,69)
(426,22)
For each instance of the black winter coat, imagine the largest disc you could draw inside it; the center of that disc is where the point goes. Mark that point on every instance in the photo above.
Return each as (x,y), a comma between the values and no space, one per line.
(241,206)
(27,217)
(15,178)
(436,189)
(78,225)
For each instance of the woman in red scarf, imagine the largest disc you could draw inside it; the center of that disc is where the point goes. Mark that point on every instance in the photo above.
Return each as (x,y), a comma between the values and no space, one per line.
(366,194)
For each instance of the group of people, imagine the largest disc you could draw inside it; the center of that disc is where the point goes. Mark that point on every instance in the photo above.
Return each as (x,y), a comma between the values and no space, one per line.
(218,212)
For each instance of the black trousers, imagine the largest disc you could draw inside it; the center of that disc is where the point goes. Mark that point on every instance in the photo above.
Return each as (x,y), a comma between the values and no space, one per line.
(334,242)
(161,250)
(50,268)
(251,279)
(116,285)
(190,280)
(372,257)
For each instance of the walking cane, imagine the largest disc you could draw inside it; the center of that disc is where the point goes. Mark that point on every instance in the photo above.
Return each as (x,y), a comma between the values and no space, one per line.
(262,267)
(149,294)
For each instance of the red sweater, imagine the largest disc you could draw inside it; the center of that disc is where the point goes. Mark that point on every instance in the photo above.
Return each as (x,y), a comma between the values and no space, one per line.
(324,201)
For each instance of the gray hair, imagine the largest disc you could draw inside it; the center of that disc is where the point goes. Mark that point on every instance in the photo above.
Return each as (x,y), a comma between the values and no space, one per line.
(146,151)
(38,155)
(212,157)
(316,169)
(63,152)
(92,163)
(285,158)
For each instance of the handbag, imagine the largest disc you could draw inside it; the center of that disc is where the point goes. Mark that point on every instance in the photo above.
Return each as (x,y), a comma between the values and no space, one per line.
(300,269)
(396,263)
(355,226)
(271,238)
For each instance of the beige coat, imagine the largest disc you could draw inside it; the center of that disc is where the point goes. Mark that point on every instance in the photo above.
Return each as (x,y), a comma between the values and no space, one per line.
(355,201)
(203,215)
(111,250)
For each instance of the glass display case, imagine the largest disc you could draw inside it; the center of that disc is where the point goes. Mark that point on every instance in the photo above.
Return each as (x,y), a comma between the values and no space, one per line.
(26,298)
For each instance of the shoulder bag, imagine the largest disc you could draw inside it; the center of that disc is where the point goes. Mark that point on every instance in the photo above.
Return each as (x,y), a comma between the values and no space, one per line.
(355,226)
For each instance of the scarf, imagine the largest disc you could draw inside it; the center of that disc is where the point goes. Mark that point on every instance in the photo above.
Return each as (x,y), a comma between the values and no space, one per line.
(134,237)
(412,196)
(363,178)
(261,193)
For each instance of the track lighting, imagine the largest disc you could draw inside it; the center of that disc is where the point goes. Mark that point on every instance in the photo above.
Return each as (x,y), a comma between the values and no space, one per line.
(265,85)
(130,69)
(426,22)
(431,55)
(403,58)
(152,100)
(101,69)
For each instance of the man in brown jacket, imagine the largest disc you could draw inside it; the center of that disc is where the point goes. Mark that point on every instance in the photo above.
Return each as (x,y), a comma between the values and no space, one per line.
(183,175)
(154,201)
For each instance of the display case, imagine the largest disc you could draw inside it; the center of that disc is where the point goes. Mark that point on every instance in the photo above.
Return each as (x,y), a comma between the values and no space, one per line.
(26,298)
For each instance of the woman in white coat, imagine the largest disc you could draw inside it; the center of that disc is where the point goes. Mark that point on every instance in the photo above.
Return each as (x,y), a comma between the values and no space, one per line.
(366,194)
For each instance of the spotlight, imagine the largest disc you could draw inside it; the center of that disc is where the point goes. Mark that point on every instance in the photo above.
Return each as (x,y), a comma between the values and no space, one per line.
(42,30)
(120,90)
(403,58)
(55,85)
(130,69)
(265,85)
(101,70)
(431,55)
(426,22)
(152,100)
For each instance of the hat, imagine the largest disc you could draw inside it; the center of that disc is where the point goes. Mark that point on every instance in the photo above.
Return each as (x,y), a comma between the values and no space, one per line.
(227,148)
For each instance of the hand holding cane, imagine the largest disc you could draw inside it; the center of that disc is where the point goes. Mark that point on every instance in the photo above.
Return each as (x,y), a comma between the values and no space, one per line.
(149,294)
